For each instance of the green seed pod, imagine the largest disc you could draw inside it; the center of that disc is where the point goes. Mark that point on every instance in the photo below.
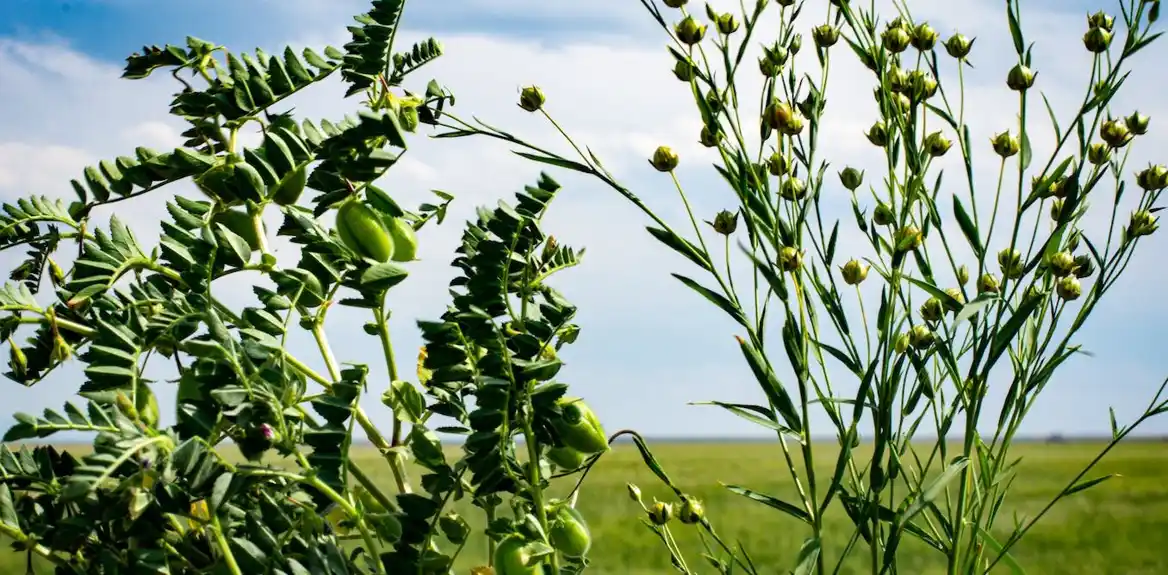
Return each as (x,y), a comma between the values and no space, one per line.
(908,239)
(956,294)
(1020,78)
(987,284)
(566,457)
(126,406)
(1143,223)
(511,558)
(878,135)
(710,138)
(793,189)
(1084,266)
(1006,145)
(147,405)
(1069,288)
(664,159)
(684,71)
(17,359)
(895,39)
(902,343)
(1137,123)
(1097,40)
(1010,262)
(854,272)
(958,46)
(924,37)
(689,32)
(1100,19)
(921,337)
(579,428)
(363,232)
(937,144)
(784,118)
(791,259)
(691,511)
(569,532)
(825,35)
(727,24)
(1152,178)
(405,240)
(408,118)
(240,224)
(962,275)
(1062,264)
(660,513)
(634,492)
(883,215)
(778,164)
(851,178)
(531,99)
(1116,134)
(932,309)
(287,191)
(725,222)
(674,3)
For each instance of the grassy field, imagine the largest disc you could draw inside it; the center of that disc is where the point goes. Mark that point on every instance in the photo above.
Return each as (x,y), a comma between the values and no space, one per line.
(1120,527)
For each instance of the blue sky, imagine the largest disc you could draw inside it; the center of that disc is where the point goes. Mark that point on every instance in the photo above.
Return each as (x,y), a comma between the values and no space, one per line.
(648,346)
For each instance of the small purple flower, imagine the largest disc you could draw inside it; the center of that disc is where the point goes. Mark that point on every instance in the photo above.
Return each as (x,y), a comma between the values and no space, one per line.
(267,431)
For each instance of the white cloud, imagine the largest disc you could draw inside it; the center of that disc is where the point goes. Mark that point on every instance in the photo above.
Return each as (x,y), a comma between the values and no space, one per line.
(646,339)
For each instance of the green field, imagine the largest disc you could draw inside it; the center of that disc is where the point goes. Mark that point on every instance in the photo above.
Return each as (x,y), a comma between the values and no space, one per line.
(1120,527)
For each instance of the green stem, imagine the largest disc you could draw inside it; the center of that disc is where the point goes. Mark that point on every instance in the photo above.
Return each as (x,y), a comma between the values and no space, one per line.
(534,479)
(359,414)
(224,548)
(348,508)
(390,364)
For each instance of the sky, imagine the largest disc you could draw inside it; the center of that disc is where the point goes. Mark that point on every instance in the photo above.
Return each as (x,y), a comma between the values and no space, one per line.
(648,347)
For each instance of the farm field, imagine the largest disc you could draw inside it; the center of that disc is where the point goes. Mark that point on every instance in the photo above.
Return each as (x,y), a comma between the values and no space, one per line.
(1119,527)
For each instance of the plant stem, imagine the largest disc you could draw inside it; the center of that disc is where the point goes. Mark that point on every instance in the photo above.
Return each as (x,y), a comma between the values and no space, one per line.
(224,548)
(533,477)
(390,364)
(17,535)
(359,414)
(337,498)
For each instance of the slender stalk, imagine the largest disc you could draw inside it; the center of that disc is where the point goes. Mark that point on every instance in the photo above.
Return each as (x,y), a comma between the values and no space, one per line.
(224,548)
(360,416)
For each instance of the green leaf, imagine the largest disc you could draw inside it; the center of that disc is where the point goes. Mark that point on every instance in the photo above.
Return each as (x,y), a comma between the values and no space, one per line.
(772,502)
(995,546)
(237,244)
(1006,333)
(717,299)
(947,300)
(1027,153)
(681,246)
(755,414)
(383,276)
(975,306)
(1085,485)
(1015,29)
(808,557)
(967,227)
(406,401)
(558,162)
(1053,118)
(933,490)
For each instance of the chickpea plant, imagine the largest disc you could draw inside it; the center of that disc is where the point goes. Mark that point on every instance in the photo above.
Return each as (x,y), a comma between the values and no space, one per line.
(937,342)
(177,500)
